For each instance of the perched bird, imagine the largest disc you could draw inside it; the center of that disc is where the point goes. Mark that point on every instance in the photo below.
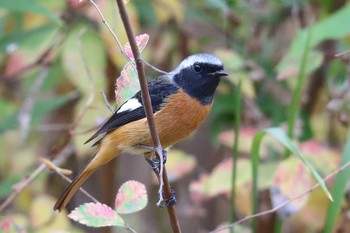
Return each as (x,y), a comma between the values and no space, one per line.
(181,100)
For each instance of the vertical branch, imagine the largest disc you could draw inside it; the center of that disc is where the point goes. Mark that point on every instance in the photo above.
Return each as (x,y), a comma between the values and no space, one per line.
(149,112)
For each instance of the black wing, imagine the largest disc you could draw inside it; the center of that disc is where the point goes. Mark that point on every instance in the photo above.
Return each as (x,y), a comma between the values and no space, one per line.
(159,90)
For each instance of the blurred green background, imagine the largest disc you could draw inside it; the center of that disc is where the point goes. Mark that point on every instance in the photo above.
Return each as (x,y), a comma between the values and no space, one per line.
(284,56)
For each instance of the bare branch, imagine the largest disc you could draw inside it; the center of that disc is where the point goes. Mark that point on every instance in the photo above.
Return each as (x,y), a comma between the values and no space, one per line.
(25,114)
(341,54)
(109,28)
(153,67)
(106,101)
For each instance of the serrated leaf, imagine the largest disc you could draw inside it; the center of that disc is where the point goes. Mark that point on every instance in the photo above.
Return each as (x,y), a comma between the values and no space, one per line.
(96,215)
(127,84)
(131,197)
(141,42)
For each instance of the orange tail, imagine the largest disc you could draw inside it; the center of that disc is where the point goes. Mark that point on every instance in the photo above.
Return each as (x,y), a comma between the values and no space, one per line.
(105,153)
(74,186)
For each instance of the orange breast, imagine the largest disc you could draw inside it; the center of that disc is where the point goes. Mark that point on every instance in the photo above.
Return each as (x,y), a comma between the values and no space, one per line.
(180,116)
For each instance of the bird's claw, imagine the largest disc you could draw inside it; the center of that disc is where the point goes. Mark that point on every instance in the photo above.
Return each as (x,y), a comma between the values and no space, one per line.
(155,162)
(168,202)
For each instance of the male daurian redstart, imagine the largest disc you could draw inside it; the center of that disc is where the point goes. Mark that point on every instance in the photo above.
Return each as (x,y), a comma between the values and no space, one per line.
(181,100)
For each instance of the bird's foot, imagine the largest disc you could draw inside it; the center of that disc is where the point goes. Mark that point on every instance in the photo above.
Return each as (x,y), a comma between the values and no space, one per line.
(156,163)
(168,202)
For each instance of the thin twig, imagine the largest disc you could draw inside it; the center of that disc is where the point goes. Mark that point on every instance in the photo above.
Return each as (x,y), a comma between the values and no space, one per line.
(341,54)
(118,41)
(81,189)
(18,188)
(57,170)
(25,115)
(109,28)
(112,32)
(149,113)
(106,101)
(153,67)
(246,218)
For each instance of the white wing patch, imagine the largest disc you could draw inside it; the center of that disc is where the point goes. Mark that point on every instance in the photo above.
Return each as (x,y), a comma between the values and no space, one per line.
(130,105)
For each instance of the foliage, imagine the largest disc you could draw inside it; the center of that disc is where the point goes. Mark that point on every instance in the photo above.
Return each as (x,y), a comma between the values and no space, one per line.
(131,197)
(56,56)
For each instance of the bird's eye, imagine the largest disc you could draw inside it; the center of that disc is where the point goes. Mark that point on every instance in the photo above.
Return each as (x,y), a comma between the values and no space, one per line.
(197,68)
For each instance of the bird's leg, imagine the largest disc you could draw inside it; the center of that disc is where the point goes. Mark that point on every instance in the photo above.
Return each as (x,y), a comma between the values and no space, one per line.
(155,165)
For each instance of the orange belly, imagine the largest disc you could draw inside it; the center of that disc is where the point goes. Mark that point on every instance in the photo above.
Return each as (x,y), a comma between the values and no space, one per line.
(175,121)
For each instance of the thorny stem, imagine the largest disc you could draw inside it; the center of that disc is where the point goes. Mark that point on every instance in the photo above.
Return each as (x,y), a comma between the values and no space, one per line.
(164,184)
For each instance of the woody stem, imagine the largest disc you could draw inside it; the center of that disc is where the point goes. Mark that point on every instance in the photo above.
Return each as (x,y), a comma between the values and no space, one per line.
(149,111)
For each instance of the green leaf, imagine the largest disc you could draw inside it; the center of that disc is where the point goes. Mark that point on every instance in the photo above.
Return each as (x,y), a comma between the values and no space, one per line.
(29,6)
(327,29)
(6,185)
(338,191)
(96,215)
(131,197)
(127,84)
(41,108)
(255,164)
(44,106)
(282,138)
(81,52)
(31,37)
(235,65)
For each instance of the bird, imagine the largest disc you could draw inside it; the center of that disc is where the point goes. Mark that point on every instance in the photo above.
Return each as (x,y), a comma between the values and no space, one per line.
(181,100)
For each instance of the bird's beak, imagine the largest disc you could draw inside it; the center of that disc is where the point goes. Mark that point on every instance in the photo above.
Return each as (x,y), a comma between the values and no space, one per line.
(219,73)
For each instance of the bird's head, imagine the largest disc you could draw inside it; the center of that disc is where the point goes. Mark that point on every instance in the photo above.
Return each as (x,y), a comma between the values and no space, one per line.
(199,75)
